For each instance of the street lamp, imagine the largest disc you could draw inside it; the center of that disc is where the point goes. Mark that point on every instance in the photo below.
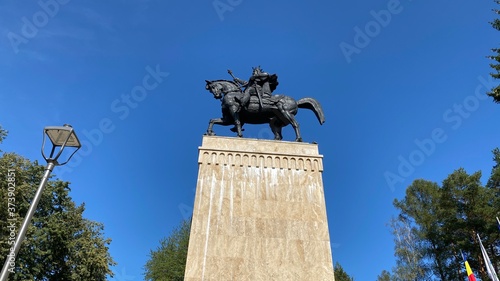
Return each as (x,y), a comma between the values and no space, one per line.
(60,137)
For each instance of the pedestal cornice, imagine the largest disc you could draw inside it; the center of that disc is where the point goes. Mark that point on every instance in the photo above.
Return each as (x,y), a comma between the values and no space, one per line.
(260,153)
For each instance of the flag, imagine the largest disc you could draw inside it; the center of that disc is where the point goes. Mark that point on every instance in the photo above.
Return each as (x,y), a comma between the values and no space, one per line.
(489,266)
(470,274)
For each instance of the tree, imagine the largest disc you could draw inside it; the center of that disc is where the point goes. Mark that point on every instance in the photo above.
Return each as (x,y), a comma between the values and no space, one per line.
(60,244)
(340,274)
(168,261)
(420,207)
(3,134)
(385,276)
(472,210)
(444,220)
(408,252)
(495,92)
(494,180)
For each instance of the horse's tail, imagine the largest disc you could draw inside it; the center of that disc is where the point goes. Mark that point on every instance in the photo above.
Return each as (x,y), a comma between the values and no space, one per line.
(313,105)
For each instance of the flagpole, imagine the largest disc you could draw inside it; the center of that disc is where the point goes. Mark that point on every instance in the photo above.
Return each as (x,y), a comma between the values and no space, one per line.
(489,266)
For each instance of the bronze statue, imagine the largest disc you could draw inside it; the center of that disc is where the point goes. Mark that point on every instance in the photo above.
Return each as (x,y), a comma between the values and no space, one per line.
(255,105)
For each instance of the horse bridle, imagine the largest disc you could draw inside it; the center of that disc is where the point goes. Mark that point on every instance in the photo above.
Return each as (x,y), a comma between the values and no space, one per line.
(219,90)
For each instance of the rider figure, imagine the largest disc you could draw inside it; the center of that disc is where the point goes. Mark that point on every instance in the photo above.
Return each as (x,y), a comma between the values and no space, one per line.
(260,84)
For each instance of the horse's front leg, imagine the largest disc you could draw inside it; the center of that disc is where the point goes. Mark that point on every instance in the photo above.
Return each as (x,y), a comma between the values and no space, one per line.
(234,110)
(218,121)
(237,123)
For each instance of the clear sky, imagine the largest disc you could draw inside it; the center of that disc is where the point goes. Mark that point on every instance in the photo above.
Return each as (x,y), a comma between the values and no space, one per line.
(402,84)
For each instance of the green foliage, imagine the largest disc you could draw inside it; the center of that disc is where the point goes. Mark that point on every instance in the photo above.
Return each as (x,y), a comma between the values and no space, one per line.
(60,244)
(441,221)
(340,274)
(385,276)
(494,181)
(495,92)
(3,134)
(408,251)
(168,261)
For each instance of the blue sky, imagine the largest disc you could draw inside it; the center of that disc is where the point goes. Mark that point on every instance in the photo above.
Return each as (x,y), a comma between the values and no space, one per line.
(402,84)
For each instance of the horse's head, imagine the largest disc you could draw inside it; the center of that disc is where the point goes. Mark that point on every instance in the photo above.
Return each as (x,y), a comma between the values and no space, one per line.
(214,88)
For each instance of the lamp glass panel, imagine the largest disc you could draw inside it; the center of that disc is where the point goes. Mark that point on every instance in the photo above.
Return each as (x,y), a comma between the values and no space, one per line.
(59,136)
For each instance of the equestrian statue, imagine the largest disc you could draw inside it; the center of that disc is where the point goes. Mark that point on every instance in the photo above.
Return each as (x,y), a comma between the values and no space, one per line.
(252,102)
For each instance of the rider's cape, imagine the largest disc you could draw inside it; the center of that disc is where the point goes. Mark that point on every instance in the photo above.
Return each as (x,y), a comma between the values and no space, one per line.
(273,82)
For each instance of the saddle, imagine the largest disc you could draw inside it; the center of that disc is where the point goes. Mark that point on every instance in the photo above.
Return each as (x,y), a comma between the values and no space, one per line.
(272,100)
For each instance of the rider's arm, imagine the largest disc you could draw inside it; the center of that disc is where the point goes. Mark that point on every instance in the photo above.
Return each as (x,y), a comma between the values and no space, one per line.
(240,81)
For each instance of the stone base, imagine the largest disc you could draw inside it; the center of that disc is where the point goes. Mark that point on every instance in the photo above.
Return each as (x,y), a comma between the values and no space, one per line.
(259,213)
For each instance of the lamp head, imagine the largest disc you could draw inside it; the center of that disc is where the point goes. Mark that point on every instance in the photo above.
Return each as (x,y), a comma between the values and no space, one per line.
(60,137)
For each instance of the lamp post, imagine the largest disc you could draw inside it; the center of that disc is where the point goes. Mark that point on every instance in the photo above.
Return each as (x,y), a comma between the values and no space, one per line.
(60,137)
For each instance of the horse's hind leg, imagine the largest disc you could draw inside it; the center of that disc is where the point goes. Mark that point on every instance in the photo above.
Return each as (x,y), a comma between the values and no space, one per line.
(295,126)
(291,119)
(275,123)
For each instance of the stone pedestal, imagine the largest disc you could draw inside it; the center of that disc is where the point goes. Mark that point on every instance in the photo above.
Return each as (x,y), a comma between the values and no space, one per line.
(259,213)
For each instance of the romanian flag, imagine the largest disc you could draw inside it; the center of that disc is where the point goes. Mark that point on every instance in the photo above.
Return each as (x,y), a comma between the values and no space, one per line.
(469,272)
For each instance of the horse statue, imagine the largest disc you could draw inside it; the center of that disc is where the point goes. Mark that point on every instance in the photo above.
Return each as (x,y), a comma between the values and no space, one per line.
(277,110)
